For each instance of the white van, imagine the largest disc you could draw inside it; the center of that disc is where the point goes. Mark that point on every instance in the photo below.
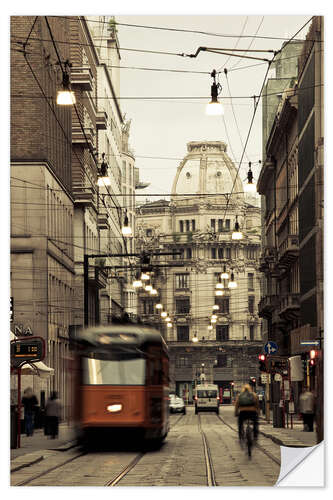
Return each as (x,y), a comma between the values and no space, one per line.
(206,398)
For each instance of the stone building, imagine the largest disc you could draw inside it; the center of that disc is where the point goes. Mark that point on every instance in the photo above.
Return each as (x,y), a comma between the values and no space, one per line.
(197,222)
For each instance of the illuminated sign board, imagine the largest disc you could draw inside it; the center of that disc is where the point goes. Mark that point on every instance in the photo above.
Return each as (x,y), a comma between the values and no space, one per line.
(27,350)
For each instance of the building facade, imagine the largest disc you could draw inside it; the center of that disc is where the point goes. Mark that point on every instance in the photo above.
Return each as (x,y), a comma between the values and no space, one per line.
(196,226)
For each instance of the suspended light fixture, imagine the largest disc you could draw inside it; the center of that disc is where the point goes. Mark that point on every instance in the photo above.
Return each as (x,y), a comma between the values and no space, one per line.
(153,292)
(137,283)
(210,327)
(237,234)
(169,325)
(65,97)
(164,314)
(168,319)
(224,275)
(126,229)
(214,316)
(219,293)
(145,276)
(159,306)
(214,107)
(213,320)
(219,284)
(103,178)
(148,288)
(216,307)
(250,186)
(232,283)
(195,338)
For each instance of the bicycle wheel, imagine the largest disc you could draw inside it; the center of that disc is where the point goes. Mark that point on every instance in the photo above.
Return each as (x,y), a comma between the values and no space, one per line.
(249,439)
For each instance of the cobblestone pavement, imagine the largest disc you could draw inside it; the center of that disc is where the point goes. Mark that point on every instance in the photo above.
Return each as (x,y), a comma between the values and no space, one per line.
(179,462)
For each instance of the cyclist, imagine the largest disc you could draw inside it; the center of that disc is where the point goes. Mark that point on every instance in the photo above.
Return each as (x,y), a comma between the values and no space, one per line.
(247,407)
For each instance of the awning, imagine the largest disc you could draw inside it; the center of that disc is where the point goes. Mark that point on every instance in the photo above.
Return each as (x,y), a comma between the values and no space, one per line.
(34,368)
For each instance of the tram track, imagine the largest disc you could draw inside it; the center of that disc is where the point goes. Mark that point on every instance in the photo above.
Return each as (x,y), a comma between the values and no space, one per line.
(211,481)
(269,455)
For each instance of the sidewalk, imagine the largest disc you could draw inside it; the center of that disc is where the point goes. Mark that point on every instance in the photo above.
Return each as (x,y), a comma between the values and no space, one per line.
(294,437)
(33,448)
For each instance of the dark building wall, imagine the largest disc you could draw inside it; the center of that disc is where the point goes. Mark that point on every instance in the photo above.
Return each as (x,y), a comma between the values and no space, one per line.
(40,130)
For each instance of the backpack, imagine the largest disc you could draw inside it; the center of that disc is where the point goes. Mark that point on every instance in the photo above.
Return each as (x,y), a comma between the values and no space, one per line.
(246,398)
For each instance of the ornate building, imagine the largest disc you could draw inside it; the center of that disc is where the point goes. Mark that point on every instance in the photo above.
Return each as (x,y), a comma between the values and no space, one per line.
(197,223)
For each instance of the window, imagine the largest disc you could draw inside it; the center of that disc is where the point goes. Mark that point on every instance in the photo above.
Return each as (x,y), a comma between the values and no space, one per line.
(187,224)
(181,226)
(222,332)
(220,252)
(228,253)
(250,281)
(182,281)
(212,224)
(222,360)
(182,333)
(251,304)
(251,253)
(251,332)
(126,370)
(183,361)
(223,303)
(213,252)
(183,305)
(189,253)
(149,232)
(220,225)
(227,224)
(148,306)
(193,224)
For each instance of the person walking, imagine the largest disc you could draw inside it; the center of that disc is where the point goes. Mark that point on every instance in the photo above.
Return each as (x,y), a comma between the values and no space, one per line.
(29,401)
(247,407)
(307,409)
(52,414)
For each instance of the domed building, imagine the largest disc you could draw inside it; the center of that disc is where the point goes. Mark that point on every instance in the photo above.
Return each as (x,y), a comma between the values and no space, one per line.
(214,331)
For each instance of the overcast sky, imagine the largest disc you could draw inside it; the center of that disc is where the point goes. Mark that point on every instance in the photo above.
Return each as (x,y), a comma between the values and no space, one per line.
(161,128)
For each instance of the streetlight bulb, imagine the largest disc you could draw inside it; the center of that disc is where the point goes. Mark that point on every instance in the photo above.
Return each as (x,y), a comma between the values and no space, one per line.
(159,306)
(164,314)
(137,283)
(214,108)
(195,339)
(148,288)
(250,187)
(219,293)
(145,276)
(237,234)
(210,327)
(232,283)
(126,229)
(66,98)
(224,275)
(216,307)
(169,325)
(153,292)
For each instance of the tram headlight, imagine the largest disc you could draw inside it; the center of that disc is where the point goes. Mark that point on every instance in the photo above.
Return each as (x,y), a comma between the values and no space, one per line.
(114,408)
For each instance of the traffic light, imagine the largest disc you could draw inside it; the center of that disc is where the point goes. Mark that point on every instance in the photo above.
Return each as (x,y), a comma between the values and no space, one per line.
(262,362)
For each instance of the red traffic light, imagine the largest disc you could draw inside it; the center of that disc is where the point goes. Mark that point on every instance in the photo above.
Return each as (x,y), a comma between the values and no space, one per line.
(312,362)
(313,354)
(262,357)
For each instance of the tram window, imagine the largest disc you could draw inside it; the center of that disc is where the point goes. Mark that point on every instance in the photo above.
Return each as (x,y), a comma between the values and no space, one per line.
(130,371)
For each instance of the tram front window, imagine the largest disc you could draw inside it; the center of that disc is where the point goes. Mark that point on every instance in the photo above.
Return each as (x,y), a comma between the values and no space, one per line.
(127,370)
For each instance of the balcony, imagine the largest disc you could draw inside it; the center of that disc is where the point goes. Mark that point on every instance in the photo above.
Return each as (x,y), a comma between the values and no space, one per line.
(97,277)
(81,79)
(103,219)
(85,196)
(101,120)
(289,308)
(288,251)
(268,305)
(86,139)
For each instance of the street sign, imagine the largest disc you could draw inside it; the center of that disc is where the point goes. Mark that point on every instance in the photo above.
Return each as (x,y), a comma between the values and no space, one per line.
(270,347)
(26,350)
(264,378)
(310,342)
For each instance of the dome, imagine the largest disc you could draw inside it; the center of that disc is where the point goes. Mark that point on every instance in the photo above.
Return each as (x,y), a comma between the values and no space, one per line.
(207,169)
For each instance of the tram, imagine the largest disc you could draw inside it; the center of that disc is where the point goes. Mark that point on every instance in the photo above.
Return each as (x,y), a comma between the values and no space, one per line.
(122,382)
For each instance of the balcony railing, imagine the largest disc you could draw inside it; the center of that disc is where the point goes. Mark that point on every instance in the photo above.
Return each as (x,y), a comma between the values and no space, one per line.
(288,250)
(267,305)
(85,196)
(289,306)
(81,79)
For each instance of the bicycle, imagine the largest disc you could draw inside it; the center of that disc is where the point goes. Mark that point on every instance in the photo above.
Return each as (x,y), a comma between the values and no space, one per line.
(249,436)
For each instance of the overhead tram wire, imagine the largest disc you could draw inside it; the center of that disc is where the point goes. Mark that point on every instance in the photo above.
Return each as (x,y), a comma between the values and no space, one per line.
(116,23)
(254,113)
(237,42)
(250,45)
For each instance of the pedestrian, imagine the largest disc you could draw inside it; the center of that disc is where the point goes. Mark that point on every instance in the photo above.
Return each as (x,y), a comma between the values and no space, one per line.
(29,401)
(307,409)
(52,415)
(247,407)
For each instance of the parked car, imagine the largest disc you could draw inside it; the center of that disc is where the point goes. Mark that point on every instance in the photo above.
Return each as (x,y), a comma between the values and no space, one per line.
(177,404)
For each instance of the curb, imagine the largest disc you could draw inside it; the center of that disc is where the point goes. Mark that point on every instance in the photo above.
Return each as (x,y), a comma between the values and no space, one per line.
(283,443)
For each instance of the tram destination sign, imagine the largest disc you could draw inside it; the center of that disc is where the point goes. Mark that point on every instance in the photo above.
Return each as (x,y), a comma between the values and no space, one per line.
(26,350)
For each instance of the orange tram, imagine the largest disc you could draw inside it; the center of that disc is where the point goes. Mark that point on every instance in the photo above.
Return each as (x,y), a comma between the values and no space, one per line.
(122,383)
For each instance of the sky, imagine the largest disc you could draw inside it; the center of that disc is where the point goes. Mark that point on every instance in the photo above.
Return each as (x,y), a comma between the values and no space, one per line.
(161,128)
